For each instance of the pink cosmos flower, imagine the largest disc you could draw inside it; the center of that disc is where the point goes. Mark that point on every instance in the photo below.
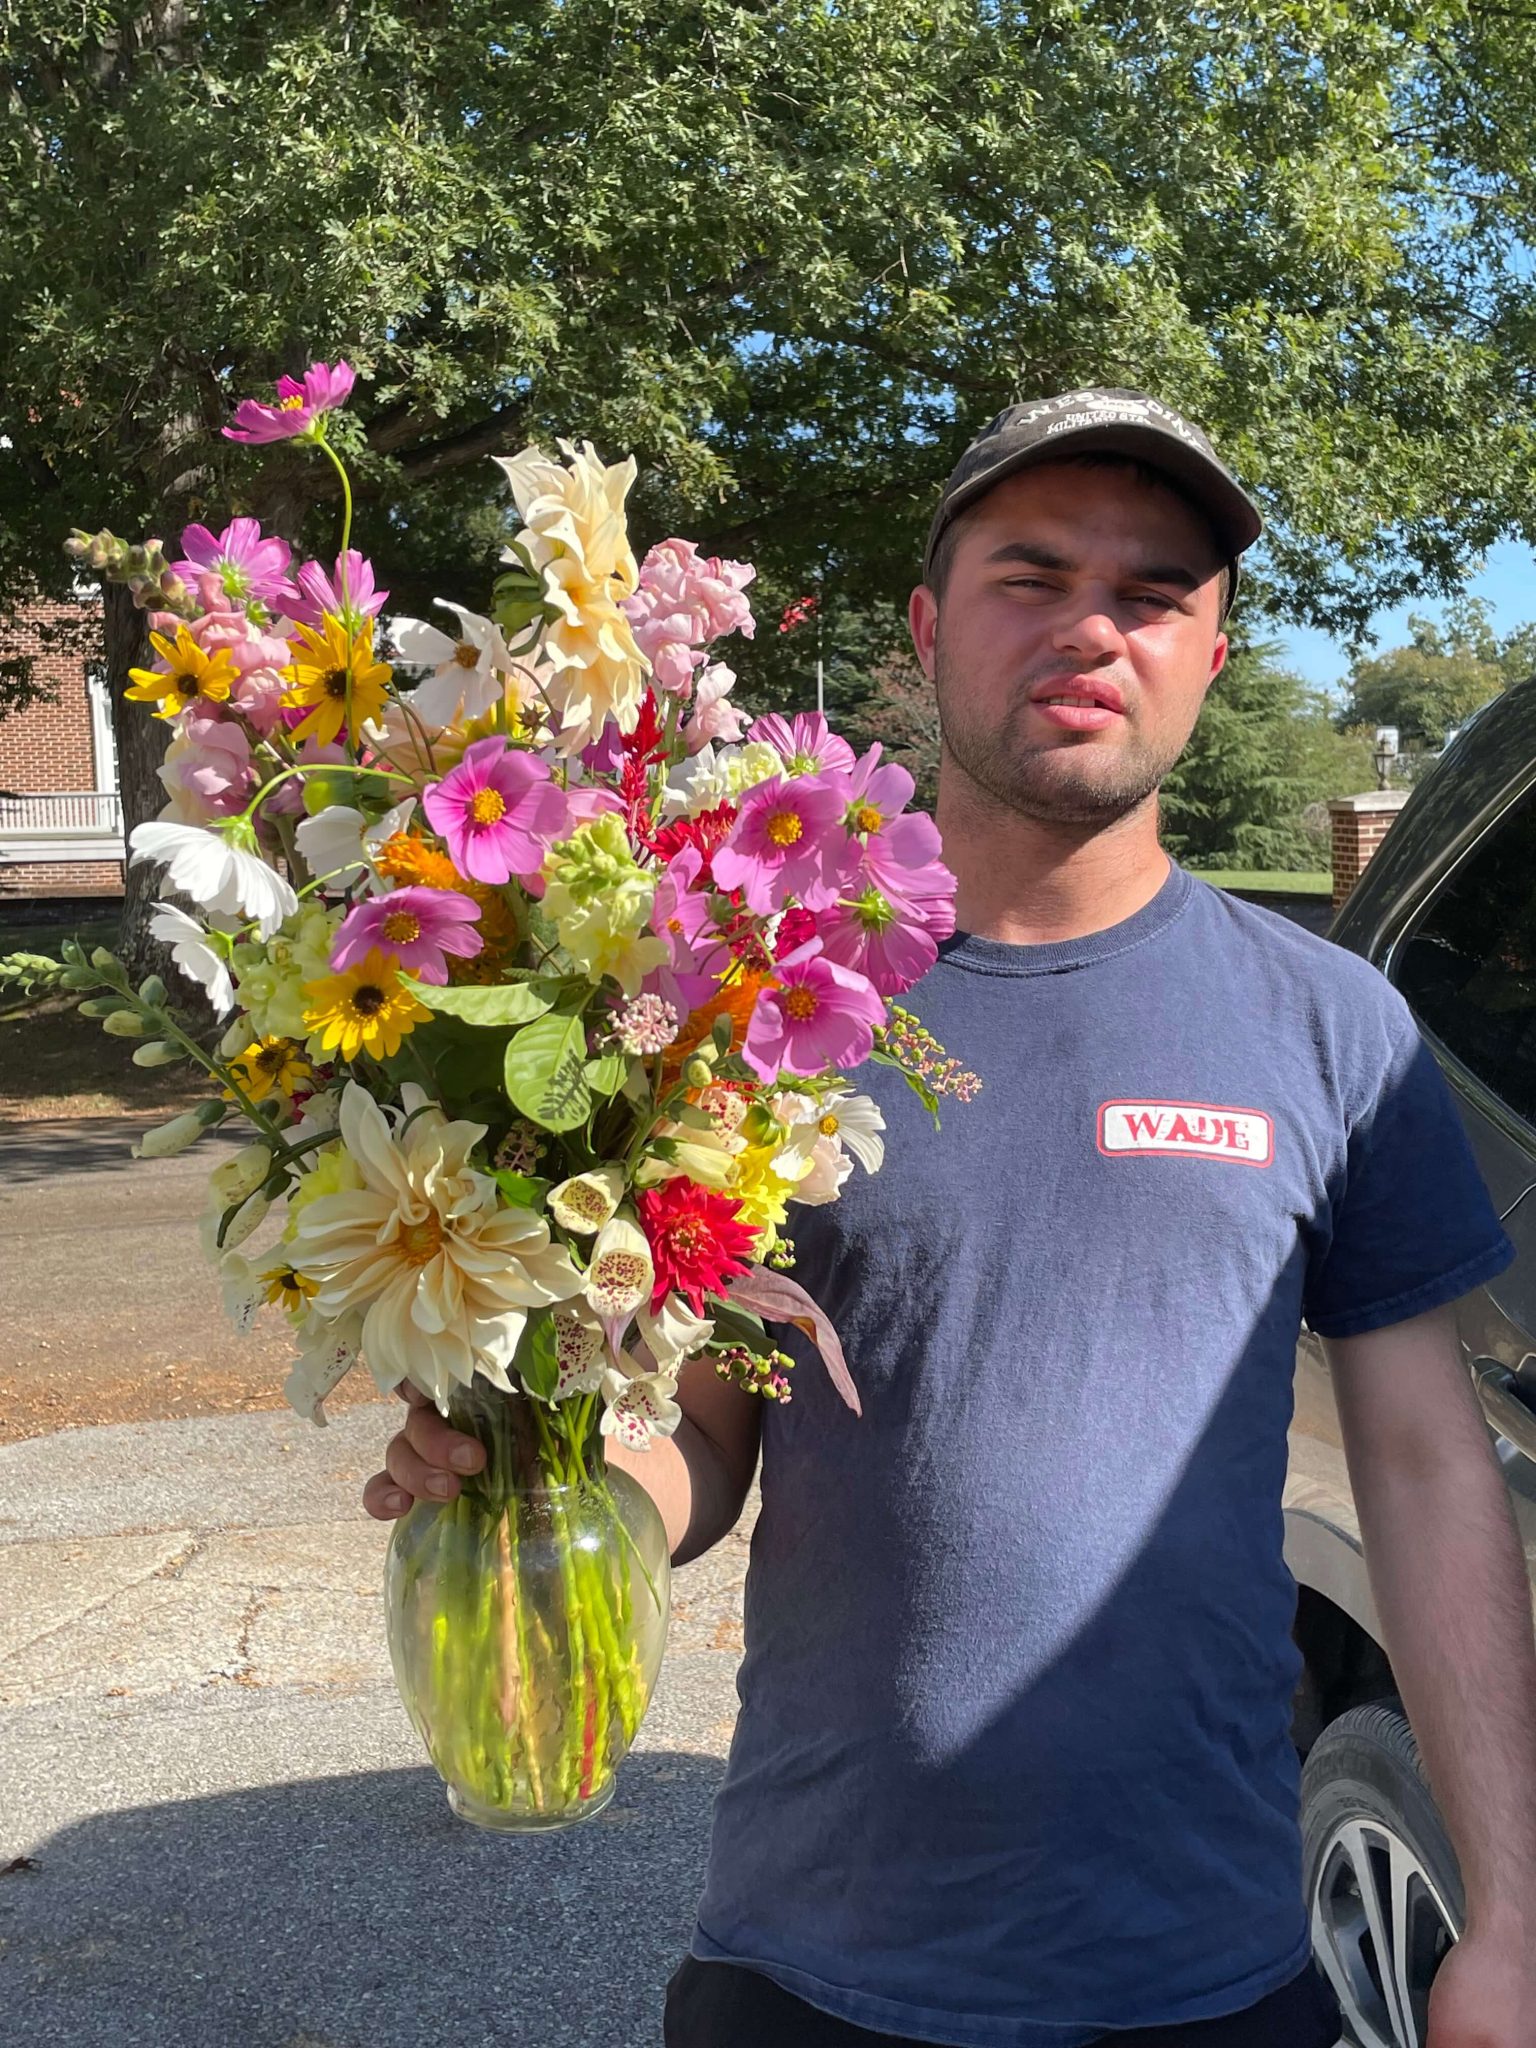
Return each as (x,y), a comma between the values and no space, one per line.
(787,841)
(820,1015)
(683,601)
(498,812)
(929,889)
(298,405)
(243,565)
(880,935)
(680,918)
(419,926)
(316,591)
(714,717)
(585,801)
(806,744)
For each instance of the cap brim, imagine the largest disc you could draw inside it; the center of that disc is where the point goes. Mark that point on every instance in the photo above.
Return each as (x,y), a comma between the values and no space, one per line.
(1233,516)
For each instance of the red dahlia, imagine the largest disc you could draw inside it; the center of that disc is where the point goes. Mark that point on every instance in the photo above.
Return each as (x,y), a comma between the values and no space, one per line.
(696,1242)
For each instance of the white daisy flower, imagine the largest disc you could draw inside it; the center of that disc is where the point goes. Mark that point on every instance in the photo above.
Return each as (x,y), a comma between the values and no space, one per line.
(464,670)
(216,873)
(637,1408)
(191,949)
(339,844)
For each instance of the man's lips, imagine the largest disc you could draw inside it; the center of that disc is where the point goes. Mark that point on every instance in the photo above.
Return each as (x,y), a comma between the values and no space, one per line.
(1078,703)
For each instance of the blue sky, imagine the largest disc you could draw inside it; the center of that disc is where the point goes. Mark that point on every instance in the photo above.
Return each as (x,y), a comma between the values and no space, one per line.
(1507,582)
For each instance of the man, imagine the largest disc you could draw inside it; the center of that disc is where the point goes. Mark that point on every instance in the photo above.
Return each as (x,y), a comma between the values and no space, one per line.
(1013,1766)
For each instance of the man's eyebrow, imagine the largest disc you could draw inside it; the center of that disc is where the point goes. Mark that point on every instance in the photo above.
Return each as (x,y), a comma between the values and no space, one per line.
(1173,575)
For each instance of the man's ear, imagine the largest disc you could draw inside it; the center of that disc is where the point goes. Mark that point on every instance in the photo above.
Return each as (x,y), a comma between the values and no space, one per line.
(923,624)
(1218,658)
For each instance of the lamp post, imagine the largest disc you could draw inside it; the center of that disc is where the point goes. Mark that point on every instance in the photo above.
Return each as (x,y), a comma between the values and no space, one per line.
(1384,754)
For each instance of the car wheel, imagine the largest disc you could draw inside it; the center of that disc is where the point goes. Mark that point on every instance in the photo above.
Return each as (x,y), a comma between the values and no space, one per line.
(1382,1883)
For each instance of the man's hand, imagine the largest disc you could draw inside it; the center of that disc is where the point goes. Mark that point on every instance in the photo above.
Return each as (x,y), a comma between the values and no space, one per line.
(425,1459)
(1485,1994)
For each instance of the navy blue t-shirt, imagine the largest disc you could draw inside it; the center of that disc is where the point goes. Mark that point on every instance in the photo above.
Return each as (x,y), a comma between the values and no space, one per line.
(1013,1766)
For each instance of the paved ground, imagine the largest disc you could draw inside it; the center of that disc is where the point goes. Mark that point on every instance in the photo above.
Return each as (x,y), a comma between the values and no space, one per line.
(231,1836)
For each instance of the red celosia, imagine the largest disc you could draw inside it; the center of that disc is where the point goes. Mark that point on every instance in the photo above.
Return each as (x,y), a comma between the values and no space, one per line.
(797,927)
(696,1242)
(708,832)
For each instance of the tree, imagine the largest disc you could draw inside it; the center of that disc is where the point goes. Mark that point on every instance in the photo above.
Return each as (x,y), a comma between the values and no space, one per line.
(1264,752)
(1440,678)
(791,254)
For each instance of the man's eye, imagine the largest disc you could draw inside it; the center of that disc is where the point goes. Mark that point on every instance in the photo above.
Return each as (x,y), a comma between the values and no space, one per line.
(1027,583)
(1157,599)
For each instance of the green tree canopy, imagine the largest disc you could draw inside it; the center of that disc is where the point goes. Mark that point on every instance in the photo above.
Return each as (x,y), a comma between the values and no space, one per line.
(1264,752)
(1440,678)
(790,254)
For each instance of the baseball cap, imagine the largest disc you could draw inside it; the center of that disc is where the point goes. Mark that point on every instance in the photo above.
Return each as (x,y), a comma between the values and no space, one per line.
(1111,422)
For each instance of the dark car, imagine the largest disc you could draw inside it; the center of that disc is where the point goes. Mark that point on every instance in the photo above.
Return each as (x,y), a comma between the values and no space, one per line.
(1447,911)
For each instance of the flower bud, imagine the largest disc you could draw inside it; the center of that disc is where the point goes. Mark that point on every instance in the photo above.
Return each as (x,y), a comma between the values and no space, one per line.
(124,1024)
(81,977)
(246,1222)
(152,991)
(698,1073)
(156,1052)
(99,1006)
(166,1139)
(104,960)
(73,952)
(236,1178)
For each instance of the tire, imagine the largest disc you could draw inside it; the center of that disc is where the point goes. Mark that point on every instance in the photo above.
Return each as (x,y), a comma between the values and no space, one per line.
(1382,1884)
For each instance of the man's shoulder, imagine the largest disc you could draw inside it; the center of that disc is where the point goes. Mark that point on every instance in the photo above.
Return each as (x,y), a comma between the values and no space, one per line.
(1305,960)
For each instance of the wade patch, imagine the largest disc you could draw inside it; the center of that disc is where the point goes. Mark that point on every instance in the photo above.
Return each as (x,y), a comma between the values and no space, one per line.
(1186,1130)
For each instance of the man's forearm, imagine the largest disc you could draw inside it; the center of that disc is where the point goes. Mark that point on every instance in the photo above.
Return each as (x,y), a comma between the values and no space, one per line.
(687,1478)
(1454,1598)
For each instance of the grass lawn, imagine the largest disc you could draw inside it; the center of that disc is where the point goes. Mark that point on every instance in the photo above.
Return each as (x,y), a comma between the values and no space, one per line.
(1275,879)
(98,929)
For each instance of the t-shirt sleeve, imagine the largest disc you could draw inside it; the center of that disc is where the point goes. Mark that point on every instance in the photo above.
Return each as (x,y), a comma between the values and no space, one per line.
(1412,1223)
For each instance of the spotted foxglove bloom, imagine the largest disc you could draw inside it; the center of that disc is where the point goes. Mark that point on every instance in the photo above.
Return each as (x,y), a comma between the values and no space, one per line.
(672,1332)
(329,1347)
(216,872)
(194,953)
(339,843)
(581,1354)
(621,1274)
(467,670)
(637,1408)
(585,1202)
(242,1291)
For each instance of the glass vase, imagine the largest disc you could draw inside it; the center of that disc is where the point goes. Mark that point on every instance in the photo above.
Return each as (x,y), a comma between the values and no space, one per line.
(527,1617)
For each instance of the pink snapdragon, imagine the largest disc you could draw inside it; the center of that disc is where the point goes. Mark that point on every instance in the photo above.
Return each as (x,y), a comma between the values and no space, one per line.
(298,405)
(683,601)
(239,563)
(806,744)
(258,656)
(681,919)
(819,1015)
(498,812)
(316,591)
(714,717)
(207,771)
(420,927)
(787,841)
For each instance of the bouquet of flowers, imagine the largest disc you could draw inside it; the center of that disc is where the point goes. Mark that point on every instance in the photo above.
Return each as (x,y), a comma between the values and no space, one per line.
(541,975)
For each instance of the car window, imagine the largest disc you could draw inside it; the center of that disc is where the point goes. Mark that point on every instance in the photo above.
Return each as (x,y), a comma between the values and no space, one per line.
(1468,968)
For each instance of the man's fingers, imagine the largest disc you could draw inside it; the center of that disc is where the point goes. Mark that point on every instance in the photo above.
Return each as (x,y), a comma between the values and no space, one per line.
(415,1474)
(383,1499)
(439,1445)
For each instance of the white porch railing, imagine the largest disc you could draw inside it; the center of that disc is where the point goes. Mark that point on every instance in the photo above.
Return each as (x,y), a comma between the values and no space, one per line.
(43,828)
(72,812)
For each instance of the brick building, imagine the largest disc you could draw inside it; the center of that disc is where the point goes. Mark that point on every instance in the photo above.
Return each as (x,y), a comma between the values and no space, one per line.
(61,831)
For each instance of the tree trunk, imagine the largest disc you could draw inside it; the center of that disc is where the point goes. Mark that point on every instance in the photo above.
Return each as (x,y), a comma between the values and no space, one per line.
(141,742)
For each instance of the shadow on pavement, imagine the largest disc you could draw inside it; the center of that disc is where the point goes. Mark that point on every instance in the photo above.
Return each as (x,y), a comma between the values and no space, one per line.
(356,1912)
(89,1144)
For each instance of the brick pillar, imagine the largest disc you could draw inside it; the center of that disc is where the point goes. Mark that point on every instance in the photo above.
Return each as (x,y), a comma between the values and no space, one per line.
(1359,825)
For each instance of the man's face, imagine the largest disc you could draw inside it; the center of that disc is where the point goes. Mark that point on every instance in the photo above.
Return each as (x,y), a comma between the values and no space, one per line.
(1077,636)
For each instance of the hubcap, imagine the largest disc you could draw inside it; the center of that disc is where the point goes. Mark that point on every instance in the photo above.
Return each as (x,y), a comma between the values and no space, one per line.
(1380,1929)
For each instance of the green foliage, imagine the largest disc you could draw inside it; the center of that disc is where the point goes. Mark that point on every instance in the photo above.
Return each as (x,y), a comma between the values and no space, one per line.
(791,255)
(545,1071)
(1440,678)
(1264,751)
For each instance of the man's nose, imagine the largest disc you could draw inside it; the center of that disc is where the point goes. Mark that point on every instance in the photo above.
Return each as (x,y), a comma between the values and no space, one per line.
(1090,627)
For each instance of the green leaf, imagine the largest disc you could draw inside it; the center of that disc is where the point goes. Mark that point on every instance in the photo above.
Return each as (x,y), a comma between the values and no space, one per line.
(737,1326)
(518,1002)
(545,1072)
(605,1075)
(537,1361)
(522,1190)
(915,1082)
